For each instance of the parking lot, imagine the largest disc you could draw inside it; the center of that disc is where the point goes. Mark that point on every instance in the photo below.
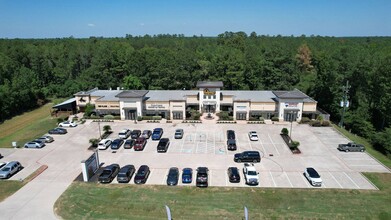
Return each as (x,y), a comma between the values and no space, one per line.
(205,145)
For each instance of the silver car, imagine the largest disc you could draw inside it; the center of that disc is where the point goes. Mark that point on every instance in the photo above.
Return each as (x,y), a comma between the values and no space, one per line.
(46,139)
(34,144)
(8,170)
(178,133)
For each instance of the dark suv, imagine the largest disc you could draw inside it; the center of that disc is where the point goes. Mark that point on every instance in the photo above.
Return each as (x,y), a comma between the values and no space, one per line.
(230,134)
(135,134)
(248,156)
(142,175)
(231,144)
(109,173)
(202,177)
(125,173)
(163,145)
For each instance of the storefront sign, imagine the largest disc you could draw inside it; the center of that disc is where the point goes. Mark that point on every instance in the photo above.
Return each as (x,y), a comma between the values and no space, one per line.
(291,104)
(156,106)
(208,92)
(241,107)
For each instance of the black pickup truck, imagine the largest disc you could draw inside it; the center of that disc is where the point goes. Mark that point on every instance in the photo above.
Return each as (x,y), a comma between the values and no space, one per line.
(351,147)
(202,177)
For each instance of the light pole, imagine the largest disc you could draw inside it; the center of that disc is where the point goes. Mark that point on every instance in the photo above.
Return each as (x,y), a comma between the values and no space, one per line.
(290,131)
(344,102)
(100,133)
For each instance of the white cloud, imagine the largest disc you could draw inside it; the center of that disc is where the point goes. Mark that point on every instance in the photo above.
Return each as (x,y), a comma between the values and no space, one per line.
(91,25)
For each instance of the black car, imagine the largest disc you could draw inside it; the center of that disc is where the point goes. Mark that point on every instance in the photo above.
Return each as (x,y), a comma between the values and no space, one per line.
(231,144)
(230,134)
(173,176)
(58,131)
(109,173)
(116,144)
(135,134)
(129,143)
(126,173)
(233,175)
(142,175)
(202,177)
(248,156)
(163,145)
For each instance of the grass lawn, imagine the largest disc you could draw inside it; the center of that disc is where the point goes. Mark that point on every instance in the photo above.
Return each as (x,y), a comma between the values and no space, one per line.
(9,187)
(115,201)
(369,148)
(27,126)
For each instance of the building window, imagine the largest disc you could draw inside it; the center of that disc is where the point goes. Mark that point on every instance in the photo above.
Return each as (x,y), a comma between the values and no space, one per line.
(177,115)
(204,96)
(214,96)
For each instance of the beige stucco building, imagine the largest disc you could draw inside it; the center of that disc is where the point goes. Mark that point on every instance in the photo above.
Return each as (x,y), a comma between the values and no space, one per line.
(209,97)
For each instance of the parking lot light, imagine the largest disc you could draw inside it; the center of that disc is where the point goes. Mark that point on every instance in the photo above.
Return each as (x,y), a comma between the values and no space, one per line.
(100,132)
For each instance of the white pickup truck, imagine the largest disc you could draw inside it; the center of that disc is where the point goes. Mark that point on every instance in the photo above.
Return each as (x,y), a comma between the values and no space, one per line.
(250,174)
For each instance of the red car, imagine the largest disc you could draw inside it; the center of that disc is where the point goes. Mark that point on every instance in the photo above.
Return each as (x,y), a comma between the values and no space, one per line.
(140,144)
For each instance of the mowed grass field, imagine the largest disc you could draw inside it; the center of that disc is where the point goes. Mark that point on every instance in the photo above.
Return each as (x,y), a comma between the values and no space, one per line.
(115,201)
(9,187)
(27,126)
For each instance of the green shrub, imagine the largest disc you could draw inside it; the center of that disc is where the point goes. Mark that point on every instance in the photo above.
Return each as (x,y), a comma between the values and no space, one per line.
(197,117)
(295,144)
(147,117)
(275,119)
(107,128)
(156,117)
(139,118)
(111,117)
(59,120)
(94,142)
(325,123)
(284,131)
(305,120)
(315,123)
(261,119)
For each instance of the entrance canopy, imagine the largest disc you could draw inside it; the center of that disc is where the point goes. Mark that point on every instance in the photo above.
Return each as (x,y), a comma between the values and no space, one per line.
(68,105)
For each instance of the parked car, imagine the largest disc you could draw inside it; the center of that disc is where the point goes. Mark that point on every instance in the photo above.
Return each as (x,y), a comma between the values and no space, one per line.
(142,175)
(34,144)
(313,176)
(178,134)
(67,124)
(230,134)
(116,144)
(46,139)
(163,144)
(125,173)
(173,176)
(351,147)
(253,136)
(248,156)
(231,144)
(146,134)
(104,144)
(109,173)
(58,131)
(233,175)
(157,133)
(202,177)
(129,143)
(10,169)
(140,143)
(187,175)
(124,133)
(135,134)
(250,174)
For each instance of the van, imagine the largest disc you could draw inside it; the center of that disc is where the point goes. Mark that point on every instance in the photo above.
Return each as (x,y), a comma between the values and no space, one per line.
(248,156)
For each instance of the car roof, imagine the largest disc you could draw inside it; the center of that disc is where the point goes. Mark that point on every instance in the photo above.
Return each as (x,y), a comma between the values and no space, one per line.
(179,129)
(126,168)
(202,169)
(185,170)
(312,171)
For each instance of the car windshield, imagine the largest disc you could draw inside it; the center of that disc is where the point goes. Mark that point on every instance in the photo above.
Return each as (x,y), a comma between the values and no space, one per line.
(234,172)
(313,173)
(122,175)
(141,173)
(6,169)
(251,173)
(106,172)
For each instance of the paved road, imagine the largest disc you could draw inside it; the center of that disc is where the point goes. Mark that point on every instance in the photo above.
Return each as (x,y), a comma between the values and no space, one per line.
(63,156)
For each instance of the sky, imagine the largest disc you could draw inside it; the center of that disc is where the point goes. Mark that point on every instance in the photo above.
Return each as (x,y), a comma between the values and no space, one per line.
(116,18)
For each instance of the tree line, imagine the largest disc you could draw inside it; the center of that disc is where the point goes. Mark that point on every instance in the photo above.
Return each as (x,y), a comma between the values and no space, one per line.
(34,70)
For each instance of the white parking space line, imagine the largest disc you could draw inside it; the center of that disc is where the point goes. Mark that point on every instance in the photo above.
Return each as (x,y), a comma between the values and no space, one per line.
(273,144)
(210,178)
(305,180)
(351,180)
(335,180)
(264,150)
(288,179)
(249,143)
(272,178)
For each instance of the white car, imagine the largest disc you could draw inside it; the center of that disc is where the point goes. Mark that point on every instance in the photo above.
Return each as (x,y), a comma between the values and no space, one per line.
(253,136)
(104,144)
(67,124)
(250,174)
(124,133)
(34,144)
(2,164)
(312,176)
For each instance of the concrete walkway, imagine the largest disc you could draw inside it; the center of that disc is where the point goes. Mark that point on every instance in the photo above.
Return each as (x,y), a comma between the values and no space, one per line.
(36,199)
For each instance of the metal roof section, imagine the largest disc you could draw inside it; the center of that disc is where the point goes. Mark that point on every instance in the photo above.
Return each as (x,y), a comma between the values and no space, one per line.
(210,84)
(169,95)
(66,103)
(253,96)
(106,95)
(88,92)
(294,94)
(132,93)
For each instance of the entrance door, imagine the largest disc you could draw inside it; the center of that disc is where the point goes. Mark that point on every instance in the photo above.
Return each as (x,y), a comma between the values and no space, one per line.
(290,115)
(210,108)
(241,115)
(131,115)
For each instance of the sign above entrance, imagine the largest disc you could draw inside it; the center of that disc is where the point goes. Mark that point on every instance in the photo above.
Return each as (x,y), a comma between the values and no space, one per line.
(208,92)
(291,104)
(156,106)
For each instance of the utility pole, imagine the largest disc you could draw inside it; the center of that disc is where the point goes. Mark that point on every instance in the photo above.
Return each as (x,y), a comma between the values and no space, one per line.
(345,101)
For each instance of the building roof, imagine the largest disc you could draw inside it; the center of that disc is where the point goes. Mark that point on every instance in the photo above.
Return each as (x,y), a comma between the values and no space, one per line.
(209,84)
(166,95)
(106,95)
(132,94)
(254,96)
(294,94)
(68,104)
(87,92)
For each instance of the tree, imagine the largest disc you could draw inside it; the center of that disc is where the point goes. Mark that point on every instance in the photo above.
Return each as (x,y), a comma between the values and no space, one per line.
(132,82)
(303,57)
(107,129)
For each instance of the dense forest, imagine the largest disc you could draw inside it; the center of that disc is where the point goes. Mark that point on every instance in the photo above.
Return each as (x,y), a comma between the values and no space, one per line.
(34,70)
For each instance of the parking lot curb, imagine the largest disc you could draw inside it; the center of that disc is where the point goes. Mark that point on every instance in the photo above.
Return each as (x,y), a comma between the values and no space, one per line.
(369,181)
